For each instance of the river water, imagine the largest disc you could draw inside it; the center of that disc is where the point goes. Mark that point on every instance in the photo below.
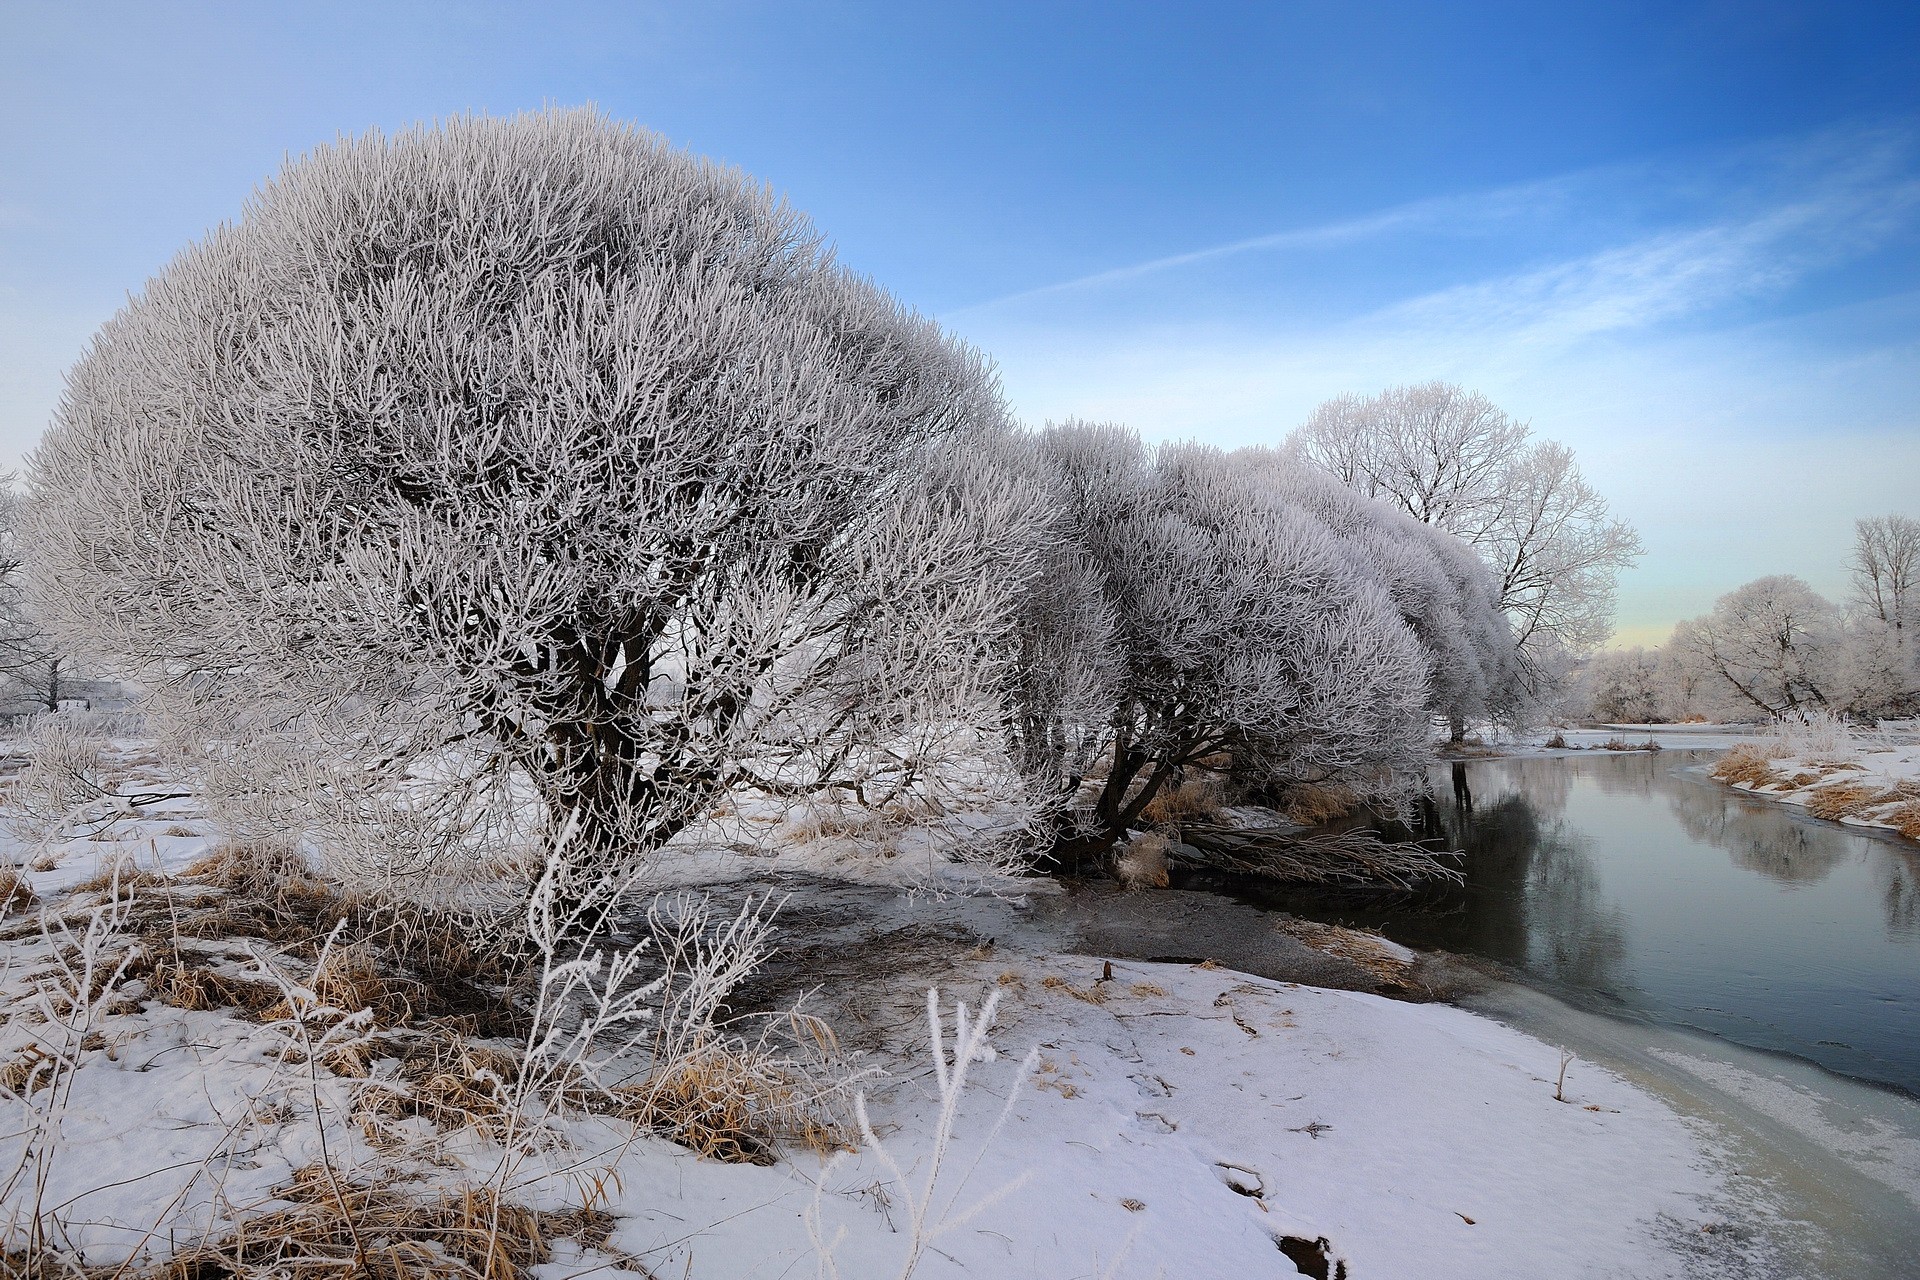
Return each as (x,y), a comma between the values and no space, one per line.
(1756,968)
(1633,884)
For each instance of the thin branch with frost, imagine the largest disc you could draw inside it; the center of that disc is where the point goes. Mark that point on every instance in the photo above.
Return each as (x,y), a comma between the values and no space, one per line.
(49,1031)
(931,1209)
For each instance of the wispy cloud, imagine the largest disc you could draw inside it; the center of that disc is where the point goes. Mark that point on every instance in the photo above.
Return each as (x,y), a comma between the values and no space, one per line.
(1475,210)
(1672,274)
(1772,211)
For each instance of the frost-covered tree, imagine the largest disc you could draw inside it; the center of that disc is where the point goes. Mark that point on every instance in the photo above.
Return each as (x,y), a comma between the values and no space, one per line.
(1442,589)
(1451,458)
(1216,620)
(32,671)
(1886,571)
(532,466)
(1772,646)
(1627,686)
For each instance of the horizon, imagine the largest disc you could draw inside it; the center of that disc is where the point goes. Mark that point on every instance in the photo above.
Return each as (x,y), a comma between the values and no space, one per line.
(1690,256)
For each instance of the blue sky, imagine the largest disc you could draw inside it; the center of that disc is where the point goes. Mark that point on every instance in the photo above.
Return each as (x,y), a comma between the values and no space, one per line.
(1684,238)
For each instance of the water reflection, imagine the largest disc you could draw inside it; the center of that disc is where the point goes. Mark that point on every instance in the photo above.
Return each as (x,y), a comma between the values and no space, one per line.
(1759,837)
(1636,882)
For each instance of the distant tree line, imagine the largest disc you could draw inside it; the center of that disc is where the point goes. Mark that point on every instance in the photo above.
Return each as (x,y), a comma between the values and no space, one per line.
(1776,647)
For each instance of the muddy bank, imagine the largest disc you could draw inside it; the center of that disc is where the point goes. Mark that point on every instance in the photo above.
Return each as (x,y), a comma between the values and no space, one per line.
(865,948)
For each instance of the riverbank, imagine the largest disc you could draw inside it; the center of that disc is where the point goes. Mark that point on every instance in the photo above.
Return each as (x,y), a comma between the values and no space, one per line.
(1181,1117)
(1862,784)
(1216,1090)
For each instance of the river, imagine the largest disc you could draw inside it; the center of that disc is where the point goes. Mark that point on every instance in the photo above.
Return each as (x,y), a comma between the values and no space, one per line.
(1635,885)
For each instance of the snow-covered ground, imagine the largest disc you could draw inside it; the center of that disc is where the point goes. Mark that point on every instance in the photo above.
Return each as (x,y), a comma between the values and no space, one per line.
(1181,1120)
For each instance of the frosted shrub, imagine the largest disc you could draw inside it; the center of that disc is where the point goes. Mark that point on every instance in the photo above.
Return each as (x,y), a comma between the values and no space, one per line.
(1811,735)
(64,783)
(1214,624)
(527,474)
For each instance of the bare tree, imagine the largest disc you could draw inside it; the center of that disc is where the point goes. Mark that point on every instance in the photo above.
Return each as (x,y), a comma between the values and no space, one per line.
(1450,458)
(1236,627)
(1886,570)
(530,465)
(30,666)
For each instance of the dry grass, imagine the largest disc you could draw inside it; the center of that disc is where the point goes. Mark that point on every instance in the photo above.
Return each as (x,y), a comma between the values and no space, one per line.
(15,893)
(727,1106)
(1096,995)
(1841,799)
(333,1229)
(1746,764)
(1311,804)
(452,1083)
(1194,798)
(26,1072)
(188,979)
(404,961)
(124,871)
(1141,863)
(1904,818)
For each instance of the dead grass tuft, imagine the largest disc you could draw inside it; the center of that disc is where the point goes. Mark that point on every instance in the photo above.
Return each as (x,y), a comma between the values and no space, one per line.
(397,958)
(1054,982)
(188,979)
(452,1083)
(1141,863)
(1840,800)
(1311,804)
(1200,798)
(15,893)
(1905,818)
(1746,764)
(128,873)
(725,1106)
(331,1228)
(26,1072)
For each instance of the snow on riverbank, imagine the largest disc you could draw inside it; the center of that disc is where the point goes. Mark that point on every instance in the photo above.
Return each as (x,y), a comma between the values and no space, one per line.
(1182,1120)
(1861,783)
(1185,1119)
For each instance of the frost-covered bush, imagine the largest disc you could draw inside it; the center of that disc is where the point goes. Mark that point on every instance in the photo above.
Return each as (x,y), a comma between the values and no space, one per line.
(1627,686)
(1442,589)
(533,478)
(1218,624)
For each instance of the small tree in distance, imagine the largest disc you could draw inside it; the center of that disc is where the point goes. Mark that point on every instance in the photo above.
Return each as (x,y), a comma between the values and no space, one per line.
(530,463)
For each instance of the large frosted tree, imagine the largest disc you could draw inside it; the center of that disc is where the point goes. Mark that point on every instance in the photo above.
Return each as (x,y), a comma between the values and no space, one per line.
(1449,457)
(532,465)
